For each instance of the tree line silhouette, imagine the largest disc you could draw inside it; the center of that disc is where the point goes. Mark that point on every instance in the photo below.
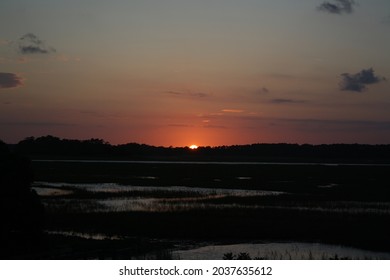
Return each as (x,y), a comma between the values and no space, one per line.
(51,146)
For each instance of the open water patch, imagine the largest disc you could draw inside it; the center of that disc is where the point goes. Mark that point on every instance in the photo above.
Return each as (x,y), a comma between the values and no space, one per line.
(114,197)
(280,251)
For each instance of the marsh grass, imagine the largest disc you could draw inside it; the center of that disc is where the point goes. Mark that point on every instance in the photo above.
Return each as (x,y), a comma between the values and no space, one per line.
(354,210)
(286,255)
(278,251)
(290,178)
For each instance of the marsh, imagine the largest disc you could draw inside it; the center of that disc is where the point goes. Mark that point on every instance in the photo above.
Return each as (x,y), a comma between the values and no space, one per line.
(174,205)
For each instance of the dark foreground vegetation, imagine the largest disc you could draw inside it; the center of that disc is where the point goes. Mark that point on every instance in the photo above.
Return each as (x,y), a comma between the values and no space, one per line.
(331,204)
(21,212)
(51,147)
(339,204)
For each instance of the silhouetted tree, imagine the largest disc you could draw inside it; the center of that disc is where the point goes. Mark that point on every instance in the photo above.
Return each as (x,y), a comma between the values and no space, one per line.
(54,146)
(51,146)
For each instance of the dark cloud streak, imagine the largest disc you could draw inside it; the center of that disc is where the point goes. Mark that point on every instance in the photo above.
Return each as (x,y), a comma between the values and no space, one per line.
(31,44)
(284,101)
(189,94)
(337,7)
(10,80)
(39,124)
(358,82)
(180,125)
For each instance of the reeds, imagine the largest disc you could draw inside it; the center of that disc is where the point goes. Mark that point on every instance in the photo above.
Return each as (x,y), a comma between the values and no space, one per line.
(354,211)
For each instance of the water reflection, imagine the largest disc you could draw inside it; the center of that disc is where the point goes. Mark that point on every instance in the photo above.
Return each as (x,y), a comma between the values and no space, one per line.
(140,198)
(113,188)
(160,205)
(280,251)
(44,191)
(93,236)
(213,162)
(112,197)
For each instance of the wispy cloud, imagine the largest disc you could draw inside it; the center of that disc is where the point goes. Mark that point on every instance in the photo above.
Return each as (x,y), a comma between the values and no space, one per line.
(39,123)
(338,7)
(232,111)
(188,93)
(31,44)
(337,124)
(10,80)
(214,126)
(308,123)
(280,75)
(358,82)
(263,90)
(180,125)
(284,101)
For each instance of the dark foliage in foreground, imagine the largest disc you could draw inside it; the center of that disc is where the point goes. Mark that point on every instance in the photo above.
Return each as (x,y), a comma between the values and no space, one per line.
(318,205)
(50,146)
(21,213)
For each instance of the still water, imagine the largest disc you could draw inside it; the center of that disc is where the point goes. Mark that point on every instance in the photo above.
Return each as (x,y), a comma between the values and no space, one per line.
(112,197)
(214,162)
(280,251)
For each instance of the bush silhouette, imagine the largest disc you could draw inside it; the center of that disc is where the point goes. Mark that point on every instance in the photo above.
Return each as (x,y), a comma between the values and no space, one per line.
(21,213)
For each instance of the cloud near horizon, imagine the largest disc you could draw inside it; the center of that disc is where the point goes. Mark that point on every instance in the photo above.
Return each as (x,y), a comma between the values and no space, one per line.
(337,7)
(188,93)
(180,125)
(358,82)
(31,44)
(286,101)
(10,80)
(232,111)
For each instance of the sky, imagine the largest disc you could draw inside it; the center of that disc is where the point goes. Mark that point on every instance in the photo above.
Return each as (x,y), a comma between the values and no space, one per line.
(205,72)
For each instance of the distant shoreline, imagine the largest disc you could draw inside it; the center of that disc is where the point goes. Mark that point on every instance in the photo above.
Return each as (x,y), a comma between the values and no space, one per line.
(54,148)
(209,162)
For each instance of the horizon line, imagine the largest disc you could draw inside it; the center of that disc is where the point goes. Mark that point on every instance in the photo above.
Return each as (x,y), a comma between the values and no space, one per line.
(199,146)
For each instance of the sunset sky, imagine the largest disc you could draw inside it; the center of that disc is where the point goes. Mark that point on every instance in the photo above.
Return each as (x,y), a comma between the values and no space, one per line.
(204,72)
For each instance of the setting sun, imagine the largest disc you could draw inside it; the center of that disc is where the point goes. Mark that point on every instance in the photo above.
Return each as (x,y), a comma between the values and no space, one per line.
(193,147)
